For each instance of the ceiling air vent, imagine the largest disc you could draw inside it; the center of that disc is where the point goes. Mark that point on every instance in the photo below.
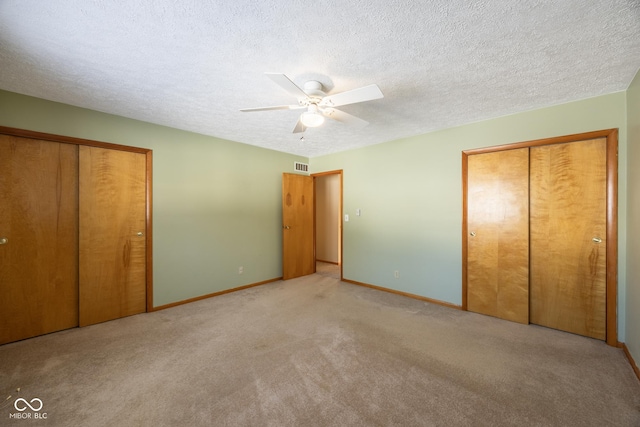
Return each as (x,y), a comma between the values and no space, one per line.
(301,167)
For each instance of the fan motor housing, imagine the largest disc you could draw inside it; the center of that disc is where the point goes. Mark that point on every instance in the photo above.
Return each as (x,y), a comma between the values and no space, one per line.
(313,89)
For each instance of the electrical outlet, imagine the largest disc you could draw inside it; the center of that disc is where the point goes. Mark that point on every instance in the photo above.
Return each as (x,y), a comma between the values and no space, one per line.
(396,274)
(240,270)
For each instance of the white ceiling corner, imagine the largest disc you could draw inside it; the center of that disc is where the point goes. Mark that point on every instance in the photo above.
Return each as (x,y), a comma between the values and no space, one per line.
(192,65)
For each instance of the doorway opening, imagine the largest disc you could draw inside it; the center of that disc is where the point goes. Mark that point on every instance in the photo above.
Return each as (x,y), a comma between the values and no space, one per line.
(328,223)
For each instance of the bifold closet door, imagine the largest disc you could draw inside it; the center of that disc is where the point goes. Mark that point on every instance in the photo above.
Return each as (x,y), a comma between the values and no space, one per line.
(498,234)
(568,237)
(38,237)
(112,226)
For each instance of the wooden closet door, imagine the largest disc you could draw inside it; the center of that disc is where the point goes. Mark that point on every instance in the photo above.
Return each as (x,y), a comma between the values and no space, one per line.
(498,240)
(112,242)
(39,222)
(568,237)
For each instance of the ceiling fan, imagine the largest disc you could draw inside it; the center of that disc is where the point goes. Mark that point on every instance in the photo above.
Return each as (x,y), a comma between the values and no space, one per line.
(318,104)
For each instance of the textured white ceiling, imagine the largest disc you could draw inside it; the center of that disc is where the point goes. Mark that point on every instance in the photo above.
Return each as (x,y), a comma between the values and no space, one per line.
(193,64)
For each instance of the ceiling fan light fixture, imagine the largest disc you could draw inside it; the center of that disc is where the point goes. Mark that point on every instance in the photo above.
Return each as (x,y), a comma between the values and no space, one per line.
(312,117)
(318,104)
(311,120)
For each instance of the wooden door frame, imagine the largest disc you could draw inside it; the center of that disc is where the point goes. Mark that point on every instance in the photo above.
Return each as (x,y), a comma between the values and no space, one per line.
(148,190)
(340,225)
(611,136)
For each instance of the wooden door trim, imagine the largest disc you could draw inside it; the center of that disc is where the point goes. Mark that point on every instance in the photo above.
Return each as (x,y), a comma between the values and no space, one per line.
(612,237)
(611,136)
(149,228)
(149,161)
(69,140)
(333,172)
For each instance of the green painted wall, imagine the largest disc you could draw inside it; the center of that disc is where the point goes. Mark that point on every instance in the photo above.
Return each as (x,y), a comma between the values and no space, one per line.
(216,203)
(633,214)
(410,194)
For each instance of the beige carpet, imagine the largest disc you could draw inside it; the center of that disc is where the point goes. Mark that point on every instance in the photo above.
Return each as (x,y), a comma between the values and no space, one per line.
(328,270)
(317,352)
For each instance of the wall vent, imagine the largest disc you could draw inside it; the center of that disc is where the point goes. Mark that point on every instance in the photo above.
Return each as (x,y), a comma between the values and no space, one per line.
(301,167)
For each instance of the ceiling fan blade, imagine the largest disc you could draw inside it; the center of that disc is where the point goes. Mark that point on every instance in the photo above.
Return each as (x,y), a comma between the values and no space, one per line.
(299,126)
(287,84)
(343,117)
(275,107)
(366,93)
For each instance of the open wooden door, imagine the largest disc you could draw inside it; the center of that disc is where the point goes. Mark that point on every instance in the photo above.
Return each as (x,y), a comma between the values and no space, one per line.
(298,258)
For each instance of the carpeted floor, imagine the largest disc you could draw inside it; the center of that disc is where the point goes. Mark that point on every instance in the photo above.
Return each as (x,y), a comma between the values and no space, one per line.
(328,270)
(317,352)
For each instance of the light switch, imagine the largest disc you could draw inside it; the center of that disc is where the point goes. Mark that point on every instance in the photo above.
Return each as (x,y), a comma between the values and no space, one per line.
(346,217)
(357,212)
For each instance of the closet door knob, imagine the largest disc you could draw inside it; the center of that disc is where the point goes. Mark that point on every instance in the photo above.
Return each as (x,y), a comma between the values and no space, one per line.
(472,234)
(597,240)
(4,241)
(140,233)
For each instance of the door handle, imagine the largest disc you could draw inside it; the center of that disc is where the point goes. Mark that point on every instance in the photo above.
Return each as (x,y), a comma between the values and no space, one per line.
(140,233)
(4,241)
(286,227)
(597,240)
(472,234)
